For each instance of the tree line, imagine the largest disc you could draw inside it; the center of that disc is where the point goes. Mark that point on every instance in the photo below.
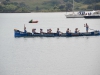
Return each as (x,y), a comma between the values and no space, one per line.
(91,4)
(13,7)
(49,6)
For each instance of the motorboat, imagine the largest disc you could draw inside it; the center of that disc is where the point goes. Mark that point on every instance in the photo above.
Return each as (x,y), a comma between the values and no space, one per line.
(31,21)
(93,14)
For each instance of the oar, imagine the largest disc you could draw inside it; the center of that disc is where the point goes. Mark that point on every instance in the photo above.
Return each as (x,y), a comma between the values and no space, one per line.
(94,29)
(91,29)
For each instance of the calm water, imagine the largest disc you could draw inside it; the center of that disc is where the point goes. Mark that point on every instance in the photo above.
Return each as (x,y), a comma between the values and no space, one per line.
(52,55)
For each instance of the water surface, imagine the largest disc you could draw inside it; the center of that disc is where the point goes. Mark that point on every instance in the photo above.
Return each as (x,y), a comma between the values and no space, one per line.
(48,55)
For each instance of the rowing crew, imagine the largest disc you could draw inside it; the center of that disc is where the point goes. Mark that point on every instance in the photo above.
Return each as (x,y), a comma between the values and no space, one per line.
(58,31)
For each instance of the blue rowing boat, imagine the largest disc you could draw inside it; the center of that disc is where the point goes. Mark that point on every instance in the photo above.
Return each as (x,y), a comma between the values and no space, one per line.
(18,33)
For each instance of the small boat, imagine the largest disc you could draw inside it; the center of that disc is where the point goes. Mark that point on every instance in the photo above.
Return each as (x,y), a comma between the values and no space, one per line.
(94,14)
(31,21)
(18,33)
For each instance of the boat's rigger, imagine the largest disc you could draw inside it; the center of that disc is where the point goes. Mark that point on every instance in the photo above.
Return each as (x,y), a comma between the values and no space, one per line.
(18,33)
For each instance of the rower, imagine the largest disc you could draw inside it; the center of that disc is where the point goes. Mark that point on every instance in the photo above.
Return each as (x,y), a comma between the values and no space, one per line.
(76,30)
(33,31)
(67,31)
(49,30)
(25,29)
(41,31)
(58,32)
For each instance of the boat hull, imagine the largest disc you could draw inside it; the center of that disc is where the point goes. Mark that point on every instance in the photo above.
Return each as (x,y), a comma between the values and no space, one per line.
(33,22)
(18,33)
(89,17)
(74,16)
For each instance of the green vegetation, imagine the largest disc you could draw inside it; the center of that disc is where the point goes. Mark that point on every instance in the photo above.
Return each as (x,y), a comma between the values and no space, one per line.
(10,7)
(24,6)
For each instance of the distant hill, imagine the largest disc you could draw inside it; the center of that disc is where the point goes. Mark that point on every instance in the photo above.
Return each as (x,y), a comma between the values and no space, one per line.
(47,5)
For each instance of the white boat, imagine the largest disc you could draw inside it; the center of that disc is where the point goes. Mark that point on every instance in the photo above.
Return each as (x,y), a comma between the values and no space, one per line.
(93,14)
(74,15)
